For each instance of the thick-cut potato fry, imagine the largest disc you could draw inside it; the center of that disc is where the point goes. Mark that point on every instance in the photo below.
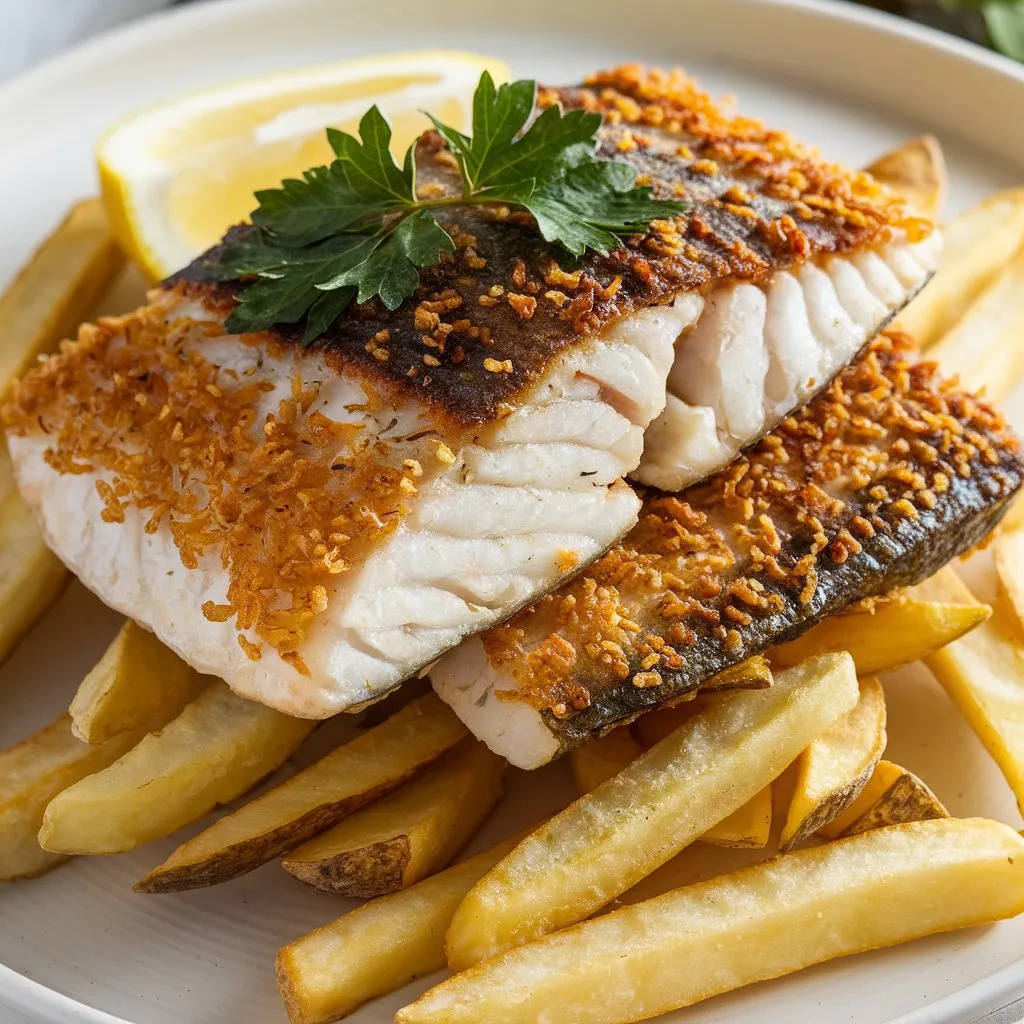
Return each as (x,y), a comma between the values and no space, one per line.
(609,839)
(56,289)
(907,799)
(753,674)
(983,673)
(867,892)
(917,171)
(833,770)
(748,826)
(894,632)
(882,778)
(598,760)
(32,577)
(1008,555)
(984,347)
(365,769)
(216,749)
(138,683)
(405,837)
(31,775)
(978,246)
(378,947)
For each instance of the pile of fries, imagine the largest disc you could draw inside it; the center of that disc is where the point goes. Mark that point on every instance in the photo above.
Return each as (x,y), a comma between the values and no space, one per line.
(783,753)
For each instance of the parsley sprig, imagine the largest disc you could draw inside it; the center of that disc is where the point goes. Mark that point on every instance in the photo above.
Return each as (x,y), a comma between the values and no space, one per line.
(357,229)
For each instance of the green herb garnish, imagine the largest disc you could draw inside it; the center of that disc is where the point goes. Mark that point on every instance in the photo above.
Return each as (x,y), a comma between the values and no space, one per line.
(1003,19)
(357,229)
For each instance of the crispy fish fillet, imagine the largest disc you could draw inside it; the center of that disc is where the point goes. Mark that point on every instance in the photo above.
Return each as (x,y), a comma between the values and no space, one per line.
(876,484)
(316,524)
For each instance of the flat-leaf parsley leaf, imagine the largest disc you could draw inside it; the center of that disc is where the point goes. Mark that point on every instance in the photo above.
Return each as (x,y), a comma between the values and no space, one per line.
(357,230)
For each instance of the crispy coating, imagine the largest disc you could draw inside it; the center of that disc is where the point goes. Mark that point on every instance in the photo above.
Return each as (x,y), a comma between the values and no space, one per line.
(876,483)
(486,322)
(287,502)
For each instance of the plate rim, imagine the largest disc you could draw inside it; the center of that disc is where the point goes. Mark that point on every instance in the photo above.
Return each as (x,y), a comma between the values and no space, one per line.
(25,995)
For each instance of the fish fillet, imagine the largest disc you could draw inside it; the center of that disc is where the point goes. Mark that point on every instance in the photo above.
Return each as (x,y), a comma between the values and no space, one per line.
(317,524)
(875,484)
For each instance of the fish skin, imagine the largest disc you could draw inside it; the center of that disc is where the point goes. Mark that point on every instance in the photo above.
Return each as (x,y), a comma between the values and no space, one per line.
(530,724)
(749,189)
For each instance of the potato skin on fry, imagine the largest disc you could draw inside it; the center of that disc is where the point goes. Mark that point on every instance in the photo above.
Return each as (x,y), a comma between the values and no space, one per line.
(365,769)
(867,892)
(907,799)
(408,835)
(377,947)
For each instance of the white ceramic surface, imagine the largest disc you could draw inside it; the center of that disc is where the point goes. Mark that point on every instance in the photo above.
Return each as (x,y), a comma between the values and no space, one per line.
(78,945)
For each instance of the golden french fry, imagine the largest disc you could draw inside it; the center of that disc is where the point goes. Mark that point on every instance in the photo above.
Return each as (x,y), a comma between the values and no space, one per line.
(138,683)
(753,674)
(907,799)
(654,725)
(978,246)
(984,347)
(882,778)
(365,769)
(31,775)
(892,633)
(983,673)
(56,289)
(598,760)
(1008,555)
(748,826)
(611,838)
(867,892)
(214,751)
(405,837)
(837,765)
(31,576)
(377,947)
(917,171)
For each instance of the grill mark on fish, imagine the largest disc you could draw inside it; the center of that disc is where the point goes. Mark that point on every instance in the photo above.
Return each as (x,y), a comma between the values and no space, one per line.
(760,202)
(876,484)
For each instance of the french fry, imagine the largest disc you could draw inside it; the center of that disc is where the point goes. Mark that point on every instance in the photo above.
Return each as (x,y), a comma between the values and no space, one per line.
(1008,555)
(597,761)
(214,751)
(31,576)
(365,769)
(907,799)
(837,765)
(56,289)
(753,674)
(882,778)
(983,673)
(983,347)
(31,775)
(748,826)
(405,837)
(137,683)
(917,171)
(892,633)
(377,947)
(873,890)
(653,726)
(978,246)
(611,838)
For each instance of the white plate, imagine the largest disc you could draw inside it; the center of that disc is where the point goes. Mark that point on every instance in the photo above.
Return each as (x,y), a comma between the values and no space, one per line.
(78,945)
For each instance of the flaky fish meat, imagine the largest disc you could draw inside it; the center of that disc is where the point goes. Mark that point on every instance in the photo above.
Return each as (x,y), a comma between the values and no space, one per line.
(876,484)
(316,524)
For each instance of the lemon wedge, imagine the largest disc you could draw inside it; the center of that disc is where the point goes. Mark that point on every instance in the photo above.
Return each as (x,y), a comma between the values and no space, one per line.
(174,177)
